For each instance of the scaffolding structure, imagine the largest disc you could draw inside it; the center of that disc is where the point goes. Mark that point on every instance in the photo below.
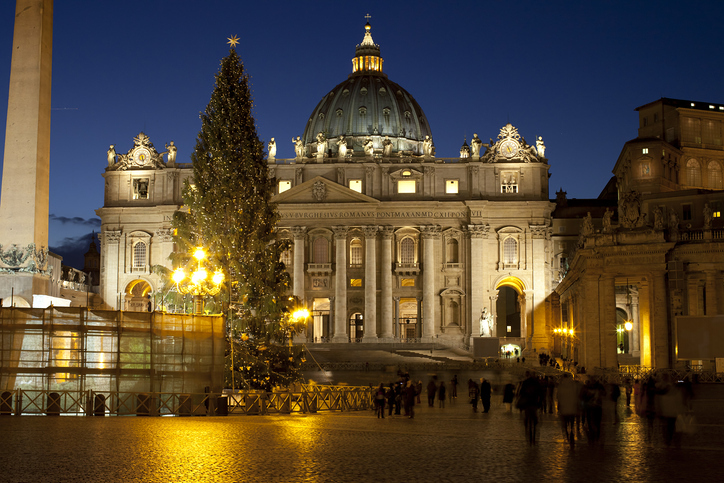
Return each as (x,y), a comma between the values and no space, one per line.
(77,349)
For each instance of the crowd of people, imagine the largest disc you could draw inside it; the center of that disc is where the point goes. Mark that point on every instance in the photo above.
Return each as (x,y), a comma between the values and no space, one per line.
(578,400)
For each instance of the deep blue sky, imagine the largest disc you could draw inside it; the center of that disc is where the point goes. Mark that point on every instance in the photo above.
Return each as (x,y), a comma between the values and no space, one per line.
(572,72)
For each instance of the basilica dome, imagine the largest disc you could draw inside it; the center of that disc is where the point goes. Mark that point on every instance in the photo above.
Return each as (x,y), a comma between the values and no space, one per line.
(367,110)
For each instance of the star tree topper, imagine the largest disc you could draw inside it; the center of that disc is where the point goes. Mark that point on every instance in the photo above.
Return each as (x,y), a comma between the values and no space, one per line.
(233,41)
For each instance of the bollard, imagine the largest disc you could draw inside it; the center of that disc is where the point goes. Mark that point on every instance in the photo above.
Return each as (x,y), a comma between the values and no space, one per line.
(53,407)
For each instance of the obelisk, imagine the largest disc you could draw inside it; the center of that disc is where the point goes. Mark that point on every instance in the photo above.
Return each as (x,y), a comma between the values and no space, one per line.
(26,162)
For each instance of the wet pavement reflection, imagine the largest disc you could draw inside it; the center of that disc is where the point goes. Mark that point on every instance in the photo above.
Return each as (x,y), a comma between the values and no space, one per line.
(449,444)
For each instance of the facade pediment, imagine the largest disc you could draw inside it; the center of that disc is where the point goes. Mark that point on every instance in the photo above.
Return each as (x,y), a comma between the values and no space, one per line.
(142,155)
(405,173)
(321,190)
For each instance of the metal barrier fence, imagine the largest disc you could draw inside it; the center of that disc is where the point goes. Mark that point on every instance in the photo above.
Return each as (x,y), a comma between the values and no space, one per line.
(310,399)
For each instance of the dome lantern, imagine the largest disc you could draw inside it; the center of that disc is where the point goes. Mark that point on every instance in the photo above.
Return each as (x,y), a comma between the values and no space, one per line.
(367,55)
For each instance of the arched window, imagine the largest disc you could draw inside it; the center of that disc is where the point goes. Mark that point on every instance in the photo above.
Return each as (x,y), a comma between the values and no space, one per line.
(510,251)
(139,255)
(452,251)
(321,250)
(407,251)
(715,181)
(355,252)
(693,173)
(286,257)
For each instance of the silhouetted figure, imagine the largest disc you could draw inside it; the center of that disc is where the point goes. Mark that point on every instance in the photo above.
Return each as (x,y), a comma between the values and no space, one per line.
(485,393)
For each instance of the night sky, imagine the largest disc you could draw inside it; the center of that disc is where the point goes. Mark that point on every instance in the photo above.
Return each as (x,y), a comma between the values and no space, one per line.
(572,72)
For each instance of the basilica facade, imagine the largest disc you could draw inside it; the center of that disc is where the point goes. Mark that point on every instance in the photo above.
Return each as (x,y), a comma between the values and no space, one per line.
(391,243)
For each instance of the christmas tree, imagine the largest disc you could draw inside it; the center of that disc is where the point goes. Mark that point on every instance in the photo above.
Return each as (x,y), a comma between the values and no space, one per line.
(229,212)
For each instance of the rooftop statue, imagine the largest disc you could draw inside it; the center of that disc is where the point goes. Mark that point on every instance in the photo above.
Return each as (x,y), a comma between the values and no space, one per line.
(298,147)
(369,147)
(540,147)
(475,144)
(387,147)
(342,147)
(112,155)
(171,148)
(272,149)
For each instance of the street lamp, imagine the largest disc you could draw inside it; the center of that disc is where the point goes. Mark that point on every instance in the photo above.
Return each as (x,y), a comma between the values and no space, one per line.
(198,283)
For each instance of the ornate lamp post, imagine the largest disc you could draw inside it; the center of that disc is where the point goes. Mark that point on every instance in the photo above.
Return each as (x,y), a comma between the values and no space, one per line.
(198,283)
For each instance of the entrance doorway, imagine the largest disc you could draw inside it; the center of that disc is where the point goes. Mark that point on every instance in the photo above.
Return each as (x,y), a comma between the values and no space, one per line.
(356,327)
(320,317)
(408,328)
(138,297)
(508,312)
(622,334)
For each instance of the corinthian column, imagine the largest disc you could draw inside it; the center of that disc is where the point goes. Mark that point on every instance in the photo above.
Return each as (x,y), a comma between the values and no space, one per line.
(386,279)
(298,283)
(430,234)
(340,285)
(370,320)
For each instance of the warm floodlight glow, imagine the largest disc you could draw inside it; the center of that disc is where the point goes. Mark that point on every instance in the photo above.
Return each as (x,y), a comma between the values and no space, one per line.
(628,325)
(198,276)
(300,314)
(218,277)
(178,275)
(199,254)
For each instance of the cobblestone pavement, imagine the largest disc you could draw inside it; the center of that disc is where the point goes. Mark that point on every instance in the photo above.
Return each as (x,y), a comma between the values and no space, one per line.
(451,444)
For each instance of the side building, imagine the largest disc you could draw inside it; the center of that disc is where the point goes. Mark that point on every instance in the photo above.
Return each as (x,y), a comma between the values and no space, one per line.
(649,289)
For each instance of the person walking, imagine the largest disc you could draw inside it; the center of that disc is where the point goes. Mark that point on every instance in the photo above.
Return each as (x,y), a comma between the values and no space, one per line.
(529,400)
(454,387)
(473,393)
(508,396)
(431,392)
(485,393)
(569,405)
(441,395)
(628,389)
(390,399)
(410,395)
(380,401)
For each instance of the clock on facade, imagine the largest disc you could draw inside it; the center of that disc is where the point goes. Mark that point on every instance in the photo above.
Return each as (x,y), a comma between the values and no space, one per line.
(509,148)
(143,157)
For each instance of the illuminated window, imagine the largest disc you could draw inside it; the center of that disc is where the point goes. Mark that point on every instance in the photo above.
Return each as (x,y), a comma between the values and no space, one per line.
(407,186)
(645,150)
(139,256)
(715,178)
(286,257)
(510,251)
(284,185)
(140,189)
(693,173)
(451,186)
(355,185)
(407,282)
(407,251)
(509,182)
(355,252)
(355,282)
(321,250)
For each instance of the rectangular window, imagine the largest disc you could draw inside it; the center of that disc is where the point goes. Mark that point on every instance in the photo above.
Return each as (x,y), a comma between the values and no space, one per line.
(451,186)
(645,151)
(509,182)
(140,188)
(284,185)
(407,186)
(686,212)
(355,282)
(355,185)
